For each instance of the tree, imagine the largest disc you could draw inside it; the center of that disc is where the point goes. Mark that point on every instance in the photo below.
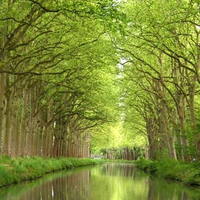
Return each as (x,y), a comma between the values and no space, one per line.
(51,59)
(161,45)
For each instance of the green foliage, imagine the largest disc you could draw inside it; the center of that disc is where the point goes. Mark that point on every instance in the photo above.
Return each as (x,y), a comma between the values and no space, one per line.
(64,48)
(147,165)
(188,173)
(70,51)
(5,177)
(115,135)
(159,49)
(5,159)
(20,169)
(84,161)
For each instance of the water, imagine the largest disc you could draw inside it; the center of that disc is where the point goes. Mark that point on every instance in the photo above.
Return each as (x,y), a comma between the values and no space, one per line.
(104,182)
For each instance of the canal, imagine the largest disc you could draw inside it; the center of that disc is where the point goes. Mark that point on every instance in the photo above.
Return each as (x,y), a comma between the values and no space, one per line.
(111,181)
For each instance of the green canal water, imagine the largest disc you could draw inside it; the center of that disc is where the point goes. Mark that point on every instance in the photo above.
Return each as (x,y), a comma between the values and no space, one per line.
(111,181)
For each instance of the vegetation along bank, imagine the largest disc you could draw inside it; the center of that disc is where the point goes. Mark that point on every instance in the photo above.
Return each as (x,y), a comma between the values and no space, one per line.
(14,170)
(188,173)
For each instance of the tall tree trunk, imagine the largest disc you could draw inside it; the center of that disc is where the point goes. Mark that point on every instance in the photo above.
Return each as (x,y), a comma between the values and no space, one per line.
(24,120)
(191,102)
(154,147)
(6,144)
(2,107)
(14,137)
(197,136)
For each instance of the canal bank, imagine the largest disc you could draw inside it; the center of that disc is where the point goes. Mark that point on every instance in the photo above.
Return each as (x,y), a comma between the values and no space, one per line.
(110,181)
(15,170)
(187,173)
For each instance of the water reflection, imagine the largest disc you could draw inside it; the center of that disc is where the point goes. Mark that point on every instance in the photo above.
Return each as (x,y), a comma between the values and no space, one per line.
(105,182)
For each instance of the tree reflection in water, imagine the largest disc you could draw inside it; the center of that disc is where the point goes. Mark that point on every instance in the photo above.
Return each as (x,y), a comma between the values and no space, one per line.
(106,182)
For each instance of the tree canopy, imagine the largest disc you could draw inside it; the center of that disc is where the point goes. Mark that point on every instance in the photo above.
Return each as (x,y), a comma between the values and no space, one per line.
(102,76)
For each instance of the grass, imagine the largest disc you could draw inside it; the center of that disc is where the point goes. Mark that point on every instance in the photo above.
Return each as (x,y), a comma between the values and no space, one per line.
(188,173)
(14,170)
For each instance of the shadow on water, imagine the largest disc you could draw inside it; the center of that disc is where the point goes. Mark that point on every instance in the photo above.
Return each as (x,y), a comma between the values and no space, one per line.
(111,181)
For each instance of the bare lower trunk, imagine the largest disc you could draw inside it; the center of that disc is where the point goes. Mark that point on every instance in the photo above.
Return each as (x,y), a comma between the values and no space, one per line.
(14,138)
(24,117)
(6,144)
(2,107)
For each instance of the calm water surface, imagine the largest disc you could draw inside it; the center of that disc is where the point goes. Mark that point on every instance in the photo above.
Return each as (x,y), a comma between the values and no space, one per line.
(105,182)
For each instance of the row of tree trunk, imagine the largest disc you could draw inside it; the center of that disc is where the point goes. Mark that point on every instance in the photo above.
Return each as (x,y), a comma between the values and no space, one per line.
(171,117)
(30,128)
(163,62)
(126,153)
(49,57)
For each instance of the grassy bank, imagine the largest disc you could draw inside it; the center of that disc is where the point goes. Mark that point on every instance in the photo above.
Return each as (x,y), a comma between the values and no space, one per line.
(188,173)
(14,170)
